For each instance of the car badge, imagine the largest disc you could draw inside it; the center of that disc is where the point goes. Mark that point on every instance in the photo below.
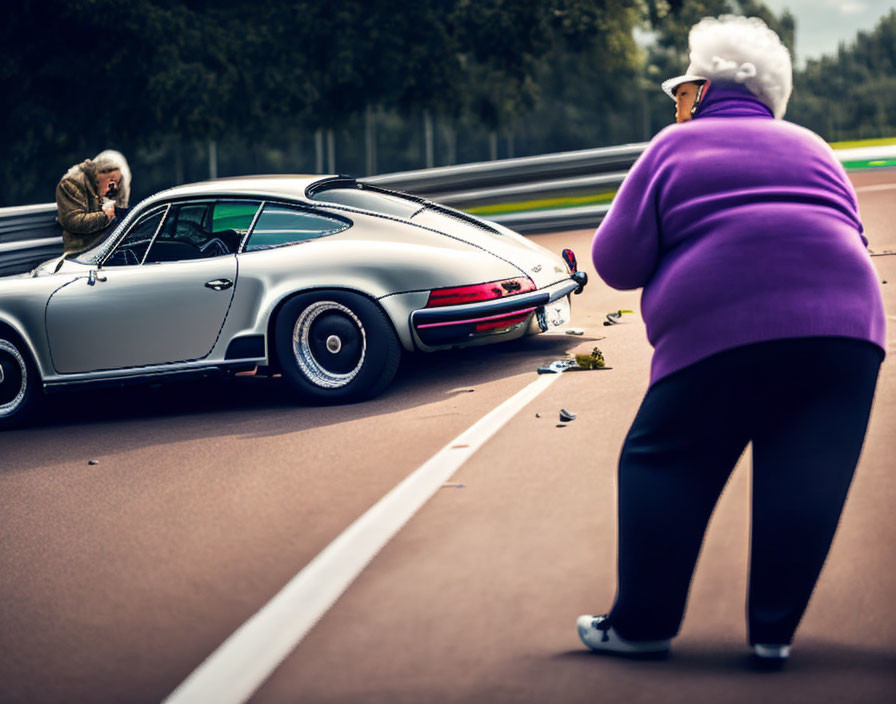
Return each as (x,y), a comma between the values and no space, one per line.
(536,268)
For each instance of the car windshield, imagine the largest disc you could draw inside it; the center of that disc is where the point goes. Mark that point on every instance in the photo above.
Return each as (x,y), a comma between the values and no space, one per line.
(95,253)
(357,196)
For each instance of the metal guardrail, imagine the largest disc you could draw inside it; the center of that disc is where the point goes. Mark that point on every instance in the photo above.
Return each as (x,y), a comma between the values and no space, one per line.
(29,235)
(564,191)
(439,182)
(534,191)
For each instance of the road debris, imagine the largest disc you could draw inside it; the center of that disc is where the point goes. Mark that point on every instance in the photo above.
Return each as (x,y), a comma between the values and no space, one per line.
(538,415)
(575,331)
(93,462)
(579,362)
(561,425)
(566,416)
(613,318)
(558,366)
(595,360)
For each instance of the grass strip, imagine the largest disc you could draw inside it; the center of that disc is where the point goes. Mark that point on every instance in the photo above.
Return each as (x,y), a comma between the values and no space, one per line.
(542,204)
(856,143)
(868,164)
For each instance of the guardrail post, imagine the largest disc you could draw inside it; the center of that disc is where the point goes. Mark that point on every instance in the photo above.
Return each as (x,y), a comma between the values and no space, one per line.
(428,139)
(212,159)
(370,141)
(318,151)
(331,151)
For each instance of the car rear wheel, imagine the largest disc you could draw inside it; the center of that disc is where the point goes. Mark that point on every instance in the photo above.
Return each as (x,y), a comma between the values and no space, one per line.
(336,346)
(19,388)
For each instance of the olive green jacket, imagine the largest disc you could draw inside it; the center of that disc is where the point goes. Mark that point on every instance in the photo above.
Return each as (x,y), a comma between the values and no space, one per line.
(79,208)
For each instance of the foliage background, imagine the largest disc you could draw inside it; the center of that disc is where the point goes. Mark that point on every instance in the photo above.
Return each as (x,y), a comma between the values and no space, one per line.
(370,86)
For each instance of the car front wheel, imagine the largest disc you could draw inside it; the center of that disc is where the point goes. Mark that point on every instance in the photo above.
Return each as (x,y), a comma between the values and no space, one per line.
(336,346)
(19,388)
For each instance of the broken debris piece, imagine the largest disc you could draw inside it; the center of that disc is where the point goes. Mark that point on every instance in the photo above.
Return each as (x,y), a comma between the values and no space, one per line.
(93,462)
(575,331)
(613,318)
(566,416)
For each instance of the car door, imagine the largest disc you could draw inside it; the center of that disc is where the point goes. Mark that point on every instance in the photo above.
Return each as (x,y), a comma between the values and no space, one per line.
(160,297)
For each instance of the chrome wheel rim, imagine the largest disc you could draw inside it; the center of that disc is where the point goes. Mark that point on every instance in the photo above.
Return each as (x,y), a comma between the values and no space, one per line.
(13,379)
(329,344)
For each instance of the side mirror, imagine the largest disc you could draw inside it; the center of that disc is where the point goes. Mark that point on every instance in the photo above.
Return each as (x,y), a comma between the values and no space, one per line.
(93,277)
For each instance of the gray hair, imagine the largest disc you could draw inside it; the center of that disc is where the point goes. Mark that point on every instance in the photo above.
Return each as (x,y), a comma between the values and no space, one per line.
(743,50)
(109,160)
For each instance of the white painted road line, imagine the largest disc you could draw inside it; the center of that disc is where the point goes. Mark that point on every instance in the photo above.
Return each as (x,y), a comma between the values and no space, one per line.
(232,673)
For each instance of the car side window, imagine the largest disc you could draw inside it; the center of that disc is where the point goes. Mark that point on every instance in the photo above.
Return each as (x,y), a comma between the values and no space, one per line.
(233,215)
(132,248)
(278,225)
(202,230)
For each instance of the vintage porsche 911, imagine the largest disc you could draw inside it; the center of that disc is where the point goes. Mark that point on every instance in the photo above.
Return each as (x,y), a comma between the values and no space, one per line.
(324,279)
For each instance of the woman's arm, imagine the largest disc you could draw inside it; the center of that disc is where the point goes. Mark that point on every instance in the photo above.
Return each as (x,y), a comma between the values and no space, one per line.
(626,246)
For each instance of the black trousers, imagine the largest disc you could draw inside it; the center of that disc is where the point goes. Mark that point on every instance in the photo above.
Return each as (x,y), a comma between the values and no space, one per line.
(804,404)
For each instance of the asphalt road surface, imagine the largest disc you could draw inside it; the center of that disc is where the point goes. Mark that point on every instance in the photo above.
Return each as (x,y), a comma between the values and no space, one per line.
(140,529)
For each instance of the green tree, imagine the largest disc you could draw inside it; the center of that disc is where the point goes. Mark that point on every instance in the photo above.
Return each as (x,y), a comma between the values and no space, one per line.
(82,75)
(852,94)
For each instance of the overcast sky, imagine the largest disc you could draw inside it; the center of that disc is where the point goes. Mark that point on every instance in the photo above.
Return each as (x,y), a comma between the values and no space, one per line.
(822,24)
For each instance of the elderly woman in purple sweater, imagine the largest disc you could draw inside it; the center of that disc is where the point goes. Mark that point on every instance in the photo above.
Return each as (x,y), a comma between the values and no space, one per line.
(767,324)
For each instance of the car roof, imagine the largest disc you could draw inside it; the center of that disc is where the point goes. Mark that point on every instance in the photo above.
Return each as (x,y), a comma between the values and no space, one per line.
(284,185)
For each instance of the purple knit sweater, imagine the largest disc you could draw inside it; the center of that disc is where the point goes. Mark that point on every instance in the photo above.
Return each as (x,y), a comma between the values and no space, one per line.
(740,228)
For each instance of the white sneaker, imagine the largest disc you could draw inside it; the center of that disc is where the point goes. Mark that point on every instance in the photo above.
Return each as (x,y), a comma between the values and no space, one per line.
(767,651)
(597,633)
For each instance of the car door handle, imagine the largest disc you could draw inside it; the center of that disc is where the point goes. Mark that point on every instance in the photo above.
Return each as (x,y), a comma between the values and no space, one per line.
(219,284)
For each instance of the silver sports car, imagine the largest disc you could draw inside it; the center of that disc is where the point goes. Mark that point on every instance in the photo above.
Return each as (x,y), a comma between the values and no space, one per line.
(324,279)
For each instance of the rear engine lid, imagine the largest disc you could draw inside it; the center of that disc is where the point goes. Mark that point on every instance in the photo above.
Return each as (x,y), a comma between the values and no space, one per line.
(541,265)
(544,267)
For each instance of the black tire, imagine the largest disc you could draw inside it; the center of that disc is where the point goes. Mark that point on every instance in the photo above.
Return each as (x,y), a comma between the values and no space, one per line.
(336,346)
(20,387)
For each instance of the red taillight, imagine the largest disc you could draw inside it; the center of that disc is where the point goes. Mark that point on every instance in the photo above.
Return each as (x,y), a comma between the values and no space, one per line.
(479,292)
(505,322)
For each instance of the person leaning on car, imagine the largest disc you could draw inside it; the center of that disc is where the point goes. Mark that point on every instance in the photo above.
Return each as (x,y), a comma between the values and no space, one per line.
(88,197)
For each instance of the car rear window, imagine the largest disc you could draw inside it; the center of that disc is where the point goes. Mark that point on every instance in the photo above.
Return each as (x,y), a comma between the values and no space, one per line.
(365,199)
(278,226)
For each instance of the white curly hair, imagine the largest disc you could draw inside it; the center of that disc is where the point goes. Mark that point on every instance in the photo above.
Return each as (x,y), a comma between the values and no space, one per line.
(739,50)
(743,50)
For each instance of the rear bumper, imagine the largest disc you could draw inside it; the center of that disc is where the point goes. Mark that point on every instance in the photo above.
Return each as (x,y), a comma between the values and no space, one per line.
(451,325)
